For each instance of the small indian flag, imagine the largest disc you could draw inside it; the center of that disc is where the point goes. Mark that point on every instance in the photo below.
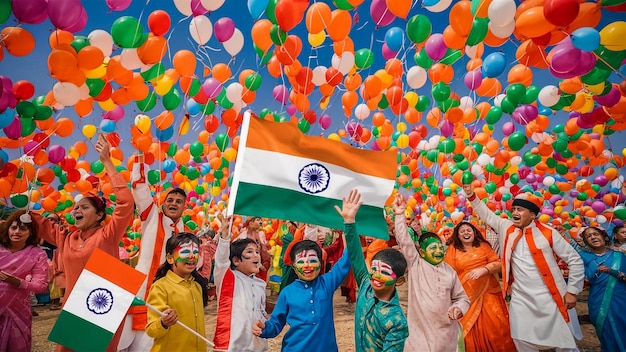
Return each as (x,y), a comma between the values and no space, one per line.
(281,173)
(94,310)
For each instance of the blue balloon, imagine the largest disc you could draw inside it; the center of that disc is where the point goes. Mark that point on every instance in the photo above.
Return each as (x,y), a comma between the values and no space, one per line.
(193,107)
(494,65)
(586,38)
(6,117)
(4,156)
(431,2)
(164,135)
(394,37)
(257,7)
(107,126)
(168,166)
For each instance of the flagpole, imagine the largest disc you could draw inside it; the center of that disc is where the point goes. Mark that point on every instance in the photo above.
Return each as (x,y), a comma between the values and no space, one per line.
(153,308)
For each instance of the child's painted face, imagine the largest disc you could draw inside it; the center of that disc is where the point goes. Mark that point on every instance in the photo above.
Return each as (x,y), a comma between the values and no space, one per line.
(382,275)
(185,259)
(307,265)
(432,250)
(250,259)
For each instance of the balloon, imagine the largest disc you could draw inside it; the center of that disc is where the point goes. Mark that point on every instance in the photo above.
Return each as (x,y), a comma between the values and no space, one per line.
(118,5)
(435,47)
(501,12)
(419,28)
(561,12)
(31,12)
(416,77)
(318,16)
(201,29)
(159,22)
(380,13)
(18,41)
(127,32)
(102,40)
(257,7)
(234,45)
(64,13)
(612,36)
(494,64)
(289,13)
(586,38)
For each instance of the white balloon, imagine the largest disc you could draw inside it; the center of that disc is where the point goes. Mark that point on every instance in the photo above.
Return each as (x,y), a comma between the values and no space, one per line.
(501,12)
(233,92)
(440,6)
(65,93)
(83,92)
(447,182)
(466,103)
(102,40)
(483,159)
(212,5)
(201,29)
(601,219)
(416,77)
(184,7)
(503,31)
(497,101)
(130,59)
(549,95)
(319,75)
(343,63)
(470,51)
(548,181)
(422,145)
(433,142)
(516,160)
(234,45)
(361,111)
(476,170)
(607,154)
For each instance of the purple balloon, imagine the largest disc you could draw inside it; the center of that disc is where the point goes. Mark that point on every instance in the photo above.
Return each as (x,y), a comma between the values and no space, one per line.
(31,147)
(325,121)
(585,121)
(197,9)
(223,29)
(31,11)
(80,24)
(601,180)
(14,130)
(388,53)
(211,87)
(435,46)
(565,59)
(586,63)
(281,94)
(473,79)
(609,99)
(118,5)
(380,13)
(64,13)
(56,153)
(4,102)
(114,115)
(447,128)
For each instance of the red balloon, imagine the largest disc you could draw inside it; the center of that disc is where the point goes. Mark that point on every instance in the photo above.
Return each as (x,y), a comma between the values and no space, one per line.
(211,123)
(159,22)
(23,90)
(561,12)
(290,12)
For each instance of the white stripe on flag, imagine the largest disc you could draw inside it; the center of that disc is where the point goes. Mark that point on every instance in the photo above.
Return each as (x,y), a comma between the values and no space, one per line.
(90,300)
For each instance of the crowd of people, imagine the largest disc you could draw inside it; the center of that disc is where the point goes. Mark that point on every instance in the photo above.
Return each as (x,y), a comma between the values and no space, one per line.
(474,286)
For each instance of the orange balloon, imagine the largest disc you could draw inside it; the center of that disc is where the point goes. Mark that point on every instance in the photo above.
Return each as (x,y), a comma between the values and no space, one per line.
(184,62)
(84,107)
(371,87)
(461,18)
(62,63)
(164,120)
(18,41)
(349,99)
(118,73)
(340,24)
(493,41)
(260,33)
(399,8)
(60,36)
(530,54)
(452,39)
(341,46)
(64,127)
(393,67)
(90,57)
(317,17)
(473,64)
(520,73)
(221,72)
(153,50)
(490,87)
(352,82)
(532,23)
(441,73)
(433,117)
(288,53)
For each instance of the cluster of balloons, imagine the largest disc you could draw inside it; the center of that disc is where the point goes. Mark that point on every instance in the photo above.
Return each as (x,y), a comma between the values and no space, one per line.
(458,101)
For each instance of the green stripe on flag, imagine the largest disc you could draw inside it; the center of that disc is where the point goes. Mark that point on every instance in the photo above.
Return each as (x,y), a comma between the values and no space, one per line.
(78,334)
(269,202)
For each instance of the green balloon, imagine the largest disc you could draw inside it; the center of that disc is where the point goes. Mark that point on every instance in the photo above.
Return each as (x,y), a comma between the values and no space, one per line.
(447,146)
(171,151)
(25,109)
(515,93)
(343,4)
(422,59)
(494,115)
(208,108)
(95,86)
(467,178)
(490,187)
(432,155)
(531,159)
(270,11)
(558,128)
(223,101)
(172,99)
(193,173)
(440,91)
(191,225)
(154,176)
(222,141)
(595,76)
(514,178)
(532,92)
(304,125)
(253,81)
(19,200)
(194,87)
(561,169)
(551,162)
(28,126)
(42,112)
(462,165)
(517,141)
(560,144)
(383,103)
(277,35)
(451,56)
(80,42)
(218,174)
(70,219)
(423,102)
(363,58)
(5,10)
(96,166)
(419,28)
(507,106)
(196,148)
(478,32)
(554,189)
(153,72)
(127,32)
(147,103)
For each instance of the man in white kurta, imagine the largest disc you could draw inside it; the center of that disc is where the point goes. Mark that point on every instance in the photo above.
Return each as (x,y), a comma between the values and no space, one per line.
(534,314)
(435,294)
(156,228)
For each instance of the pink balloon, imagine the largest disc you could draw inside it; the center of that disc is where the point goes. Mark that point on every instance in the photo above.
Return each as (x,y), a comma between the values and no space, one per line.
(609,99)
(114,115)
(223,29)
(31,147)
(211,87)
(325,121)
(473,79)
(292,110)
(197,9)
(80,24)
(281,94)
(118,5)
(508,128)
(64,13)
(14,130)
(447,128)
(435,46)
(388,53)
(30,11)
(56,153)
(380,13)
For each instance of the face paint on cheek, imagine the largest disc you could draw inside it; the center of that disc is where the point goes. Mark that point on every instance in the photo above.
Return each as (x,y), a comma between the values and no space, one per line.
(433,250)
(382,272)
(186,253)
(305,261)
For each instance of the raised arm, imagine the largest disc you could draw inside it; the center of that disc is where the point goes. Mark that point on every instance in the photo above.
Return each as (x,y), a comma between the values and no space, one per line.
(348,210)
(499,224)
(139,184)
(407,247)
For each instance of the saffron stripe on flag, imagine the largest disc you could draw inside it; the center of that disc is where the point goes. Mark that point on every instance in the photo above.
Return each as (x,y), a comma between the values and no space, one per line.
(254,199)
(115,271)
(290,140)
(83,335)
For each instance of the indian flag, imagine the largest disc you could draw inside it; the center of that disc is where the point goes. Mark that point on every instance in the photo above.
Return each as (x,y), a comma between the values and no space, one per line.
(281,173)
(94,310)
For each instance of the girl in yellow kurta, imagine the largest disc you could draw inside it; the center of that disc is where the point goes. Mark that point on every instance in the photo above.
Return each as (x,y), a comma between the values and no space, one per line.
(486,323)
(178,295)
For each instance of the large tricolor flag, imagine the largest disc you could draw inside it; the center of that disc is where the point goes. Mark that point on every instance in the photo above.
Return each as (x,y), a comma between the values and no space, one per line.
(281,173)
(99,301)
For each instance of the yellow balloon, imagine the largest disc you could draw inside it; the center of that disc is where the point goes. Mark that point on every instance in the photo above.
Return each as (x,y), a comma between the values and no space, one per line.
(384,77)
(317,39)
(335,137)
(402,141)
(107,105)
(596,89)
(184,127)
(612,36)
(97,72)
(163,85)
(89,131)
(401,127)
(215,191)
(143,122)
(230,154)
(411,98)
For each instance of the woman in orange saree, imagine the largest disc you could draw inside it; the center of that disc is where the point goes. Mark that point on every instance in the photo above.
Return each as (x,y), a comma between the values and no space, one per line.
(486,323)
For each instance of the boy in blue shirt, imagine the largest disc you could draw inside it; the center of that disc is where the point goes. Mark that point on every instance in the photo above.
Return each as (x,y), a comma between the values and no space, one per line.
(307,303)
(380,324)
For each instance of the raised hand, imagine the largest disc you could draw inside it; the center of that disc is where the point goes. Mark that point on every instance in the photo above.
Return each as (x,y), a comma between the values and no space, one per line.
(350,206)
(399,204)
(103,148)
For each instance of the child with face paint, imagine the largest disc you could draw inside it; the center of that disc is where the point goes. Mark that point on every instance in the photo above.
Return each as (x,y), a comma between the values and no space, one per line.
(178,295)
(380,324)
(436,297)
(307,303)
(240,294)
